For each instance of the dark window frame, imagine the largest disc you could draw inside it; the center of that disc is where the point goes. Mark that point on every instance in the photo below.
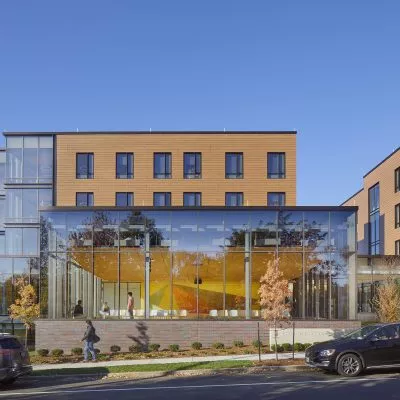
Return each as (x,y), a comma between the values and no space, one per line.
(277,193)
(197,166)
(237,195)
(129,175)
(279,174)
(166,175)
(90,164)
(397,247)
(397,180)
(373,215)
(196,195)
(397,216)
(239,165)
(166,195)
(127,194)
(87,199)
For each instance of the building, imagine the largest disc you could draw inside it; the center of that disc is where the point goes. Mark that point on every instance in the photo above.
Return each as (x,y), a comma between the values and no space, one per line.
(186,221)
(378,226)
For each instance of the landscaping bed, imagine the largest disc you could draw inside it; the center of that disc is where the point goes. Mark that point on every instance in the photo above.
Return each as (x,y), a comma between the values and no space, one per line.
(56,356)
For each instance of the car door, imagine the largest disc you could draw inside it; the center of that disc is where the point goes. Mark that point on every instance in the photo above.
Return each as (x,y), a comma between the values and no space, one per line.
(383,347)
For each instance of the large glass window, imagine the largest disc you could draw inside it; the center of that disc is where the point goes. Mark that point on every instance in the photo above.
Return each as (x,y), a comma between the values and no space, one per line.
(233,165)
(374,224)
(276,165)
(233,199)
(162,165)
(192,199)
(276,199)
(84,199)
(124,199)
(14,159)
(192,165)
(162,199)
(45,198)
(30,204)
(397,216)
(2,169)
(397,180)
(30,160)
(85,166)
(45,159)
(22,241)
(124,165)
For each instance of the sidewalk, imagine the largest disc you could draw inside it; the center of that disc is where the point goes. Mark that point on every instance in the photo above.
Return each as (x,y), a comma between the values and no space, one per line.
(247,357)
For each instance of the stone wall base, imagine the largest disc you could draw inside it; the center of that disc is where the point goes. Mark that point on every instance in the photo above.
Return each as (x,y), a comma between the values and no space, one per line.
(67,334)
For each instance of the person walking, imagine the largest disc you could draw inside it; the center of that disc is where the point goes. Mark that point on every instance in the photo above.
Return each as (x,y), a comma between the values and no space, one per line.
(130,305)
(89,338)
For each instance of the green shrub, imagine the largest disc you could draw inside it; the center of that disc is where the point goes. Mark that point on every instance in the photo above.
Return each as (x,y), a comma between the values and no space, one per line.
(174,347)
(135,348)
(57,352)
(77,351)
(218,346)
(287,346)
(42,352)
(154,347)
(298,347)
(256,343)
(279,347)
(196,345)
(115,349)
(306,345)
(238,343)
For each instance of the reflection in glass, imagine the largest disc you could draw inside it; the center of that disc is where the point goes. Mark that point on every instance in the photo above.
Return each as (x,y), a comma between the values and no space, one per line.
(160,285)
(264,231)
(316,231)
(30,164)
(14,159)
(235,295)
(106,287)
(290,227)
(105,230)
(45,159)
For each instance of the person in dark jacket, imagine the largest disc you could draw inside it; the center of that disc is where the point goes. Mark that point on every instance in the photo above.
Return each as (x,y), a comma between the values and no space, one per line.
(88,338)
(78,310)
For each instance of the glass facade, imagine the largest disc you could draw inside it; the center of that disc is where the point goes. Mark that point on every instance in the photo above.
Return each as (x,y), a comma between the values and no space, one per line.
(196,263)
(374,220)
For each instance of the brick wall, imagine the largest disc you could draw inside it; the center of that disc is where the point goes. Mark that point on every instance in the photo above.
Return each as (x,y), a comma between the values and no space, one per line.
(66,334)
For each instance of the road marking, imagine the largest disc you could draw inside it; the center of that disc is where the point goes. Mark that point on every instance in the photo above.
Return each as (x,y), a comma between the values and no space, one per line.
(136,389)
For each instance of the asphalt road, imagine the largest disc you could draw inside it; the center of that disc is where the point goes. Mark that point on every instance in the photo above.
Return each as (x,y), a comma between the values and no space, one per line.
(274,385)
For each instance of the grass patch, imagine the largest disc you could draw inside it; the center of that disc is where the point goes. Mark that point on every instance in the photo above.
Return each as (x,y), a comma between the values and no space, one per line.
(146,368)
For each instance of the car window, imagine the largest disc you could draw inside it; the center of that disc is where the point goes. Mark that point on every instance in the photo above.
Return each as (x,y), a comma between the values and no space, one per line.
(9,343)
(388,332)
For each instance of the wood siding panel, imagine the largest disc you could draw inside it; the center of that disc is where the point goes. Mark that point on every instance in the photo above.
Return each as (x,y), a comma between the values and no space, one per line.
(384,175)
(213,184)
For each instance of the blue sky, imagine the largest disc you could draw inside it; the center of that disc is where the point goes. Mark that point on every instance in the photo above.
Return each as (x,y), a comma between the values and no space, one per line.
(329,69)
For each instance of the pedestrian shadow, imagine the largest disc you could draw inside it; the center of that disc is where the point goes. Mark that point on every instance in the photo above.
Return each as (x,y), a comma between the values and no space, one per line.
(142,340)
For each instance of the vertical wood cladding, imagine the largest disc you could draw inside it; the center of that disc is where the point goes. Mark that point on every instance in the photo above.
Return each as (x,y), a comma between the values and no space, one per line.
(384,175)
(212,185)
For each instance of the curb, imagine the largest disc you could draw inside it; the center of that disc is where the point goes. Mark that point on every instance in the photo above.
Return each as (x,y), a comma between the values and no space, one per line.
(190,372)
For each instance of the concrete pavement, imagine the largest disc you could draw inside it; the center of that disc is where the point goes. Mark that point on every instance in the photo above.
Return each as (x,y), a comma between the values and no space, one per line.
(245,357)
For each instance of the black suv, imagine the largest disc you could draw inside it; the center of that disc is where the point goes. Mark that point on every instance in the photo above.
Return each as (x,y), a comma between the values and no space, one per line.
(14,359)
(373,346)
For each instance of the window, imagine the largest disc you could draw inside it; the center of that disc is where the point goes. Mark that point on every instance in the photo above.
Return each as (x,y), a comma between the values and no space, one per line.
(234,199)
(397,216)
(123,199)
(192,199)
(192,165)
(22,241)
(397,180)
(161,199)
(84,199)
(374,224)
(397,247)
(124,165)
(233,165)
(162,165)
(84,166)
(276,165)
(276,199)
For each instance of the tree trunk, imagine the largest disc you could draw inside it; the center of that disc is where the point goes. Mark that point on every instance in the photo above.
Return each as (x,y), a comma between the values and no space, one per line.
(26,337)
(276,341)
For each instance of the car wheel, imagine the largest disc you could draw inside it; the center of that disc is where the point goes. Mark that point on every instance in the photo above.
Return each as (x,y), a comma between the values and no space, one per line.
(349,365)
